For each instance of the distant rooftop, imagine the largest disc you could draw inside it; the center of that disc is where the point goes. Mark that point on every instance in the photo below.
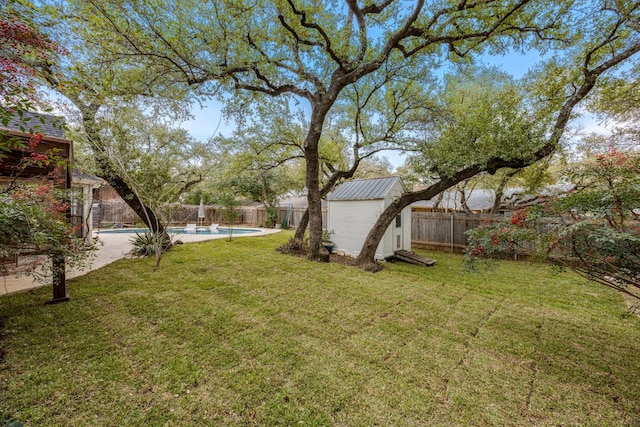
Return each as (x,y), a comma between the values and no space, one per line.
(482,199)
(45,124)
(364,189)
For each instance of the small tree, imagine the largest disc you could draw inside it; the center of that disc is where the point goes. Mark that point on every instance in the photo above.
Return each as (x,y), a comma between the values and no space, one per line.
(229,212)
(594,230)
(157,163)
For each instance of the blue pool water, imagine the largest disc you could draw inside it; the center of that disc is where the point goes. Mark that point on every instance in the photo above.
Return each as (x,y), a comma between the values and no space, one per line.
(180,230)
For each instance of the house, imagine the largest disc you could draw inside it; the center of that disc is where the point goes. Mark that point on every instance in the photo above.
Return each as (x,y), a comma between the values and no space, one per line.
(11,164)
(354,207)
(13,168)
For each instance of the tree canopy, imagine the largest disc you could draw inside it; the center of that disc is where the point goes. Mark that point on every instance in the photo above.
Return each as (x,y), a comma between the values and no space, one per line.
(325,55)
(307,50)
(558,89)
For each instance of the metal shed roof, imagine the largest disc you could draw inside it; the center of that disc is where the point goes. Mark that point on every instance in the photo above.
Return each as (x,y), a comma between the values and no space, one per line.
(364,189)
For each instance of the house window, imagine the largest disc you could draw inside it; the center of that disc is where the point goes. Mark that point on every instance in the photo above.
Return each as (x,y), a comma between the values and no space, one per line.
(399,220)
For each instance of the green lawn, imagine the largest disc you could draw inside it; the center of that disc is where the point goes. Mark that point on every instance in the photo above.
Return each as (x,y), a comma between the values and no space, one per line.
(235,333)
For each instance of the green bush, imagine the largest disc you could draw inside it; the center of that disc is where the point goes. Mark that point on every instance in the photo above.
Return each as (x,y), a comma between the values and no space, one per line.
(33,220)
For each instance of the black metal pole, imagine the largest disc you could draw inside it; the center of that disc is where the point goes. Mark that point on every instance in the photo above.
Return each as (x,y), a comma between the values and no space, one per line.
(58,259)
(59,279)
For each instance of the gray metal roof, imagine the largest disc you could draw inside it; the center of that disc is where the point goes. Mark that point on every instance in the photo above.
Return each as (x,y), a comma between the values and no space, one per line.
(45,124)
(364,189)
(478,199)
(482,199)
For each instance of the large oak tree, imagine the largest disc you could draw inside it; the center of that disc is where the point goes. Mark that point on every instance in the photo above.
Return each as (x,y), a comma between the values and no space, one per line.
(598,49)
(309,50)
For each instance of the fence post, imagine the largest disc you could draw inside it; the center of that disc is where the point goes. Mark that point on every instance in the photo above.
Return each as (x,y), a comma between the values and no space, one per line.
(451,236)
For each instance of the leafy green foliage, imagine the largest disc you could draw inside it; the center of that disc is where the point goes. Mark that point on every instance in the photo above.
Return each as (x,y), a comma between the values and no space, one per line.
(32,220)
(483,113)
(594,230)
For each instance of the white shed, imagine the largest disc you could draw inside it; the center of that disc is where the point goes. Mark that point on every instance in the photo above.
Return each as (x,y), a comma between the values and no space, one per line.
(354,207)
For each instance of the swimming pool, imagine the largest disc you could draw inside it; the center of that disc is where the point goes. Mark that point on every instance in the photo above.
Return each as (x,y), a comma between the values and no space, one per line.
(180,230)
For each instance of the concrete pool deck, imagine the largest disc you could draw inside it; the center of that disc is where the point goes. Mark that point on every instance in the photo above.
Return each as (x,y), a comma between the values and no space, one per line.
(112,247)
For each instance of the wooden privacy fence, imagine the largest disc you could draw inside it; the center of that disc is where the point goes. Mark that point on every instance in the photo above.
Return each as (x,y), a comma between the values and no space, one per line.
(429,230)
(446,231)
(109,212)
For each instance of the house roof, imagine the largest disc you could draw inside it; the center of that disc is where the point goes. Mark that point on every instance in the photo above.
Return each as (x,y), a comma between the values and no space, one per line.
(365,189)
(295,202)
(79,177)
(478,199)
(482,199)
(17,129)
(45,124)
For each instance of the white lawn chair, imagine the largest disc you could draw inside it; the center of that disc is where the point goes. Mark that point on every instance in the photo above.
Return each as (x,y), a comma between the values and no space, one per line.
(214,227)
(191,228)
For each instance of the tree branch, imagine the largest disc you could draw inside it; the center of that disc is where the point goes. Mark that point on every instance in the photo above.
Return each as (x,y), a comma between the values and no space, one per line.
(311,25)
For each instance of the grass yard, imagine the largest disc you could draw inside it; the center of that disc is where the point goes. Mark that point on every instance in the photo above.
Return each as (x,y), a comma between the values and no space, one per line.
(235,333)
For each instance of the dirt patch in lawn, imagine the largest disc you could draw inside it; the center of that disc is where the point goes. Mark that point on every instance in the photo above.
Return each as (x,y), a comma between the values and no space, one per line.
(300,249)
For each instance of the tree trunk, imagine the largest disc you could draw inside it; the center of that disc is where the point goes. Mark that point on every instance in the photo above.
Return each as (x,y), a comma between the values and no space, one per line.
(366,259)
(111,175)
(497,202)
(314,194)
(316,250)
(302,226)
(463,197)
(436,205)
(146,214)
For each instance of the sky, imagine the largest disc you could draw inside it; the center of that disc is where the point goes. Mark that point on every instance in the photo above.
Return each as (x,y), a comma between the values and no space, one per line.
(207,121)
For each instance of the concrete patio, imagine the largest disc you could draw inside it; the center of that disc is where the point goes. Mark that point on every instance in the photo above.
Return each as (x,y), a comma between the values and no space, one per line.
(110,248)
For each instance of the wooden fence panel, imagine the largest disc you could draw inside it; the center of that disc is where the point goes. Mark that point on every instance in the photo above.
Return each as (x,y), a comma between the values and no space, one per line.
(446,231)
(109,212)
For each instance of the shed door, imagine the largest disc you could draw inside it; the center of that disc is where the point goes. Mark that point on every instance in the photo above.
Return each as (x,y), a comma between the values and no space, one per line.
(397,233)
